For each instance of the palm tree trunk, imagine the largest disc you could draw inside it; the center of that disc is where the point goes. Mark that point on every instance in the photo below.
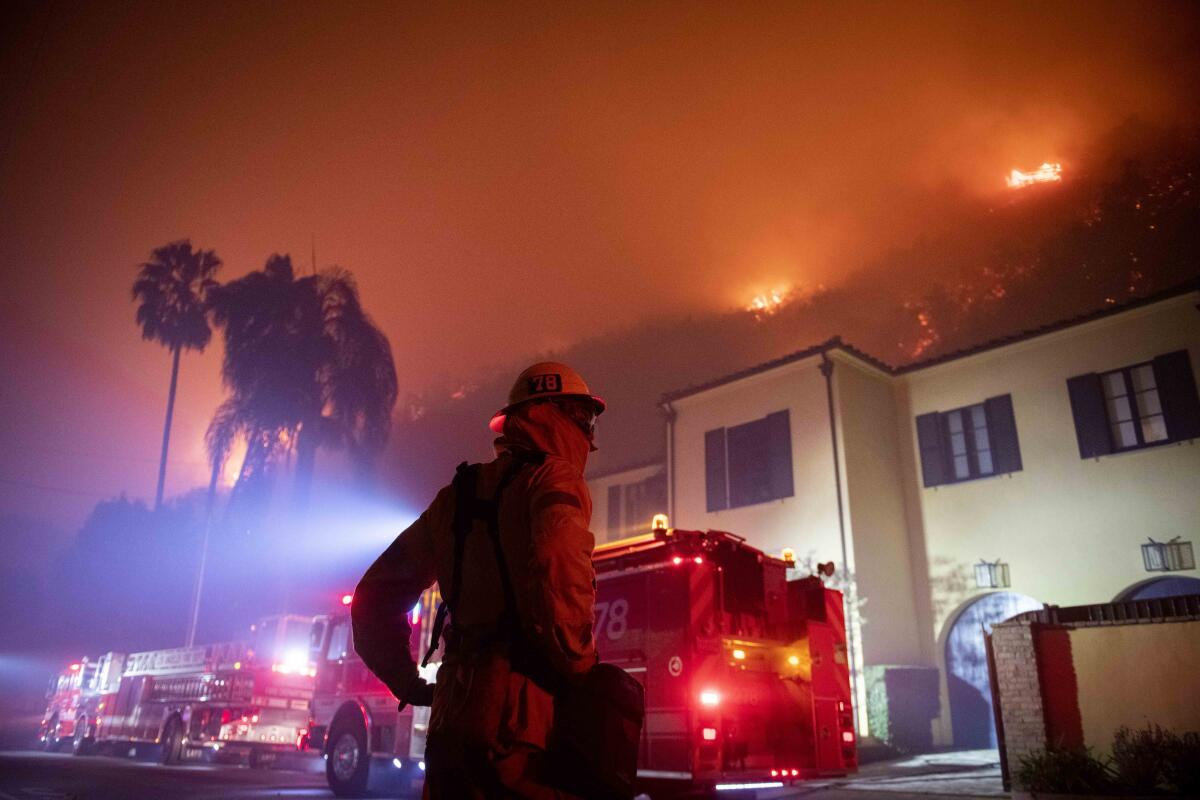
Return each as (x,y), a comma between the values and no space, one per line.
(162,464)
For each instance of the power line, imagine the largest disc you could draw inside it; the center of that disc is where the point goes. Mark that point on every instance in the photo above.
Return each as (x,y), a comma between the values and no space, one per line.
(127,459)
(58,489)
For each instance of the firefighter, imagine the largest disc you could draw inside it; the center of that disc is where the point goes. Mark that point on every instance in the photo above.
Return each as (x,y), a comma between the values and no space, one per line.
(492,703)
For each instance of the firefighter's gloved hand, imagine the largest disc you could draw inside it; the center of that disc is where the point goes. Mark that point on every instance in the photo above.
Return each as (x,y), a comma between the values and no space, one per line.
(419,693)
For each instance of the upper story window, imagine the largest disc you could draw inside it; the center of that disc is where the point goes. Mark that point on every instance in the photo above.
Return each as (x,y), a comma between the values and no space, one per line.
(1135,415)
(970,442)
(1139,405)
(632,506)
(750,463)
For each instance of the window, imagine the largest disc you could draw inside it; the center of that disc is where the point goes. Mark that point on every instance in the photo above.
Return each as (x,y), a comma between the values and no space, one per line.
(632,506)
(1135,416)
(970,442)
(749,463)
(1140,405)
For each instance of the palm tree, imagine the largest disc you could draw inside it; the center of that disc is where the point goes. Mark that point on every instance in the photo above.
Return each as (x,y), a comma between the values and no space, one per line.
(306,368)
(172,289)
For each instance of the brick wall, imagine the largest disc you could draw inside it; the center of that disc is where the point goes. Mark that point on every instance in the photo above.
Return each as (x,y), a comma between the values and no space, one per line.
(1019,693)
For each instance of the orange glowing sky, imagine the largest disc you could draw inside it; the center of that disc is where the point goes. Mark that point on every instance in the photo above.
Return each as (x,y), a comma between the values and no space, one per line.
(502,179)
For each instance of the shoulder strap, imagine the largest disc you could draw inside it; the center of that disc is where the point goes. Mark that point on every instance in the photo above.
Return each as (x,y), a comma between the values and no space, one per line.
(465,477)
(468,508)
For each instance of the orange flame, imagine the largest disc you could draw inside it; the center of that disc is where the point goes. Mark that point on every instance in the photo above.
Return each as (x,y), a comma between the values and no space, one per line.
(1046,173)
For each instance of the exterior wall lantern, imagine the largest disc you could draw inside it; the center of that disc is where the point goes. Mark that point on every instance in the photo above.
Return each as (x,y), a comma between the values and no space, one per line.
(991,574)
(1168,556)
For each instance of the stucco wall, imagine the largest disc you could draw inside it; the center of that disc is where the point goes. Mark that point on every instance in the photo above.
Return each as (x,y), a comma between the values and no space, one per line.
(807,521)
(1070,528)
(1136,675)
(876,514)
(598,487)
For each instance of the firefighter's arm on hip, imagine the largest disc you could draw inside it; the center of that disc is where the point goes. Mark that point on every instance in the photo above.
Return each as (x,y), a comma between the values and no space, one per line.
(382,601)
(564,581)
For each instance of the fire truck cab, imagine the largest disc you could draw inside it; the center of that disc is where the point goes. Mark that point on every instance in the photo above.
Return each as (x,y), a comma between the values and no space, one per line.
(243,699)
(62,704)
(356,726)
(746,675)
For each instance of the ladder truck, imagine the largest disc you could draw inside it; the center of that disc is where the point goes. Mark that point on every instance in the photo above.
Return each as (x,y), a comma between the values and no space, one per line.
(249,700)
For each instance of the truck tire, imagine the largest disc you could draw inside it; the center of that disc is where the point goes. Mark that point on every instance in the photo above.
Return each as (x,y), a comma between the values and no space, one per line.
(172,742)
(349,757)
(81,743)
(50,742)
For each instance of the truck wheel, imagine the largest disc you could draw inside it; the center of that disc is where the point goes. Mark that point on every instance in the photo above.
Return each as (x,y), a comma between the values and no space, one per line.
(81,743)
(50,741)
(172,742)
(349,759)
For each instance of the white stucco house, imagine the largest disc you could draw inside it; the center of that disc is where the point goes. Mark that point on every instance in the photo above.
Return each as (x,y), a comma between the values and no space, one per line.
(1059,465)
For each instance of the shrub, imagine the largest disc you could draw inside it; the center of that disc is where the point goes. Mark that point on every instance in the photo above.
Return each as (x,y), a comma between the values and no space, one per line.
(1140,758)
(1181,768)
(1064,771)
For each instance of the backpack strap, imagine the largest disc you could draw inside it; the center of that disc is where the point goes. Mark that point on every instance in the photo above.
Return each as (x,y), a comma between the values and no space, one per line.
(465,478)
(468,508)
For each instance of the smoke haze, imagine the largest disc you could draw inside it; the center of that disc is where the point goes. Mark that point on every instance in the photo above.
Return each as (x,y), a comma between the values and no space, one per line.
(503,181)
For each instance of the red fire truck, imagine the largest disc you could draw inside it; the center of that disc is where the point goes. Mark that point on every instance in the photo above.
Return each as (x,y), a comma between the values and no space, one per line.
(355,724)
(746,675)
(246,700)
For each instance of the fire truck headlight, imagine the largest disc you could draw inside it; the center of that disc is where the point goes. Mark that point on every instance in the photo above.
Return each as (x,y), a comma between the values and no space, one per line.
(710,698)
(397,763)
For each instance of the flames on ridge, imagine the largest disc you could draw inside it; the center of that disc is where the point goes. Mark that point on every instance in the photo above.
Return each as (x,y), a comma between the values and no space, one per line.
(1046,173)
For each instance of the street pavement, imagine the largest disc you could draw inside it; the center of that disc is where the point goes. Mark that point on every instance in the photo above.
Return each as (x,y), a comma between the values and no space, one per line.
(60,776)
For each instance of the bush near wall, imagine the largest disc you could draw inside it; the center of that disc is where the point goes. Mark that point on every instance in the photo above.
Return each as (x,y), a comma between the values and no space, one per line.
(1148,761)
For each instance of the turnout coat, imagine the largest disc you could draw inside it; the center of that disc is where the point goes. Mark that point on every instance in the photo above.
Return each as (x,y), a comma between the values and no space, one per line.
(485,714)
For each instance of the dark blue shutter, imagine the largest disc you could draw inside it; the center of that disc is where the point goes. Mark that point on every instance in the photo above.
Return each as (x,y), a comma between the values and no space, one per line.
(1091,418)
(779,450)
(1177,393)
(935,464)
(714,469)
(1002,431)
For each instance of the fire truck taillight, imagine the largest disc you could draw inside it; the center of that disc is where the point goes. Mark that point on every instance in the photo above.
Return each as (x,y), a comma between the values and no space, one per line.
(699,559)
(848,737)
(677,560)
(795,662)
(710,698)
(709,734)
(740,655)
(347,599)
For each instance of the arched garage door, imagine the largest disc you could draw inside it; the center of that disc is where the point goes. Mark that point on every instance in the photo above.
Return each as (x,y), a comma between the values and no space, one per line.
(1155,588)
(966,666)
